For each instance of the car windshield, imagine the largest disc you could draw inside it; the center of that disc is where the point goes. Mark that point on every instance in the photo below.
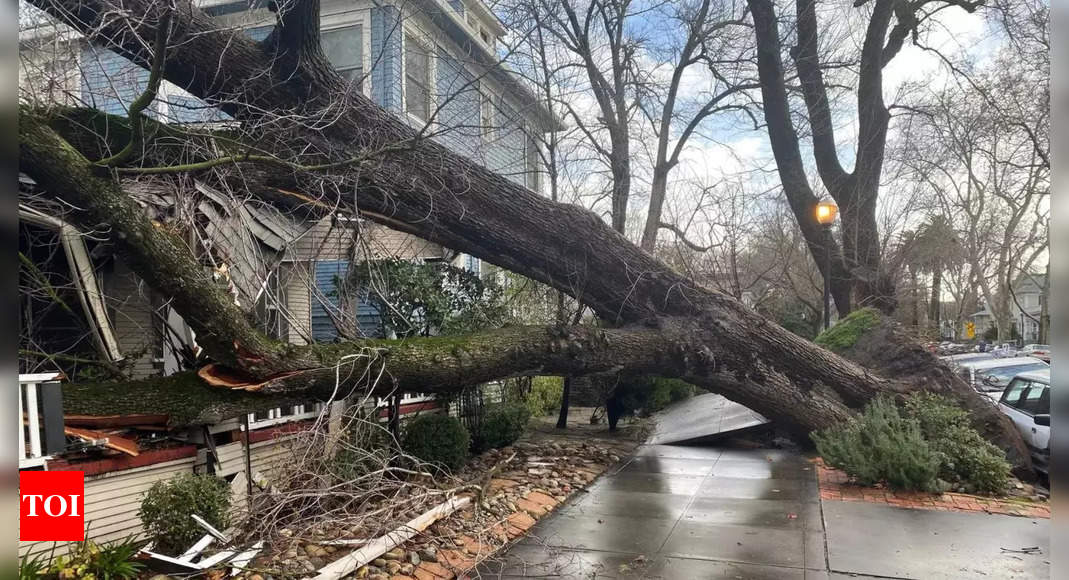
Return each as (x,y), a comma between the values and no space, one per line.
(995,379)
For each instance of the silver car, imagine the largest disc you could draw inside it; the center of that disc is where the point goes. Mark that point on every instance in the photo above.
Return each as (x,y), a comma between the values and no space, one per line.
(990,376)
(1027,402)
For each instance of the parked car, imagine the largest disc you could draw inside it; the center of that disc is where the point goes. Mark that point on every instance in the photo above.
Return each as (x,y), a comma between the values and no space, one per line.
(958,359)
(990,376)
(1040,351)
(1026,401)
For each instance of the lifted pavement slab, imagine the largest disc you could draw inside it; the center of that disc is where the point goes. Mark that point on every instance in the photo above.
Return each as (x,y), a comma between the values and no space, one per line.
(894,542)
(704,419)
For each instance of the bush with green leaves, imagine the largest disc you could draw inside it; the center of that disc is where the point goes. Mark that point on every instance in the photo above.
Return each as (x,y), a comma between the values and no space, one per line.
(500,427)
(881,446)
(168,505)
(544,396)
(849,330)
(651,394)
(965,457)
(438,439)
(88,560)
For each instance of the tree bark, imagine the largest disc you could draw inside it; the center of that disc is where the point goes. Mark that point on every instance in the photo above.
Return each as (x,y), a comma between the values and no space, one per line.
(679,328)
(786,151)
(565,402)
(935,305)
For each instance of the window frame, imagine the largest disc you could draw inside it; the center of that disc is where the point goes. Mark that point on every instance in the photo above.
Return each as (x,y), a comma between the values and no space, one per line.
(487,113)
(364,82)
(532,163)
(1005,394)
(428,45)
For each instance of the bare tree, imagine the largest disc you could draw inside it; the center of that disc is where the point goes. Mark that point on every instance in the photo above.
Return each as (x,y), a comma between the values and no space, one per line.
(856,273)
(992,184)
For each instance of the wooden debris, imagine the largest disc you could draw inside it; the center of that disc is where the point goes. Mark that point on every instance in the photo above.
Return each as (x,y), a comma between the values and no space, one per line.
(379,546)
(127,446)
(104,421)
(242,560)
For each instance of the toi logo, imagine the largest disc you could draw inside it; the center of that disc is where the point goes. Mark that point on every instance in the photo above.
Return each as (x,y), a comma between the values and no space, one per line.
(51,506)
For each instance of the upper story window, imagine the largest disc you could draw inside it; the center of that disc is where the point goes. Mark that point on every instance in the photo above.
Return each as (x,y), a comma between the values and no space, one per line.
(417,78)
(486,115)
(344,48)
(534,166)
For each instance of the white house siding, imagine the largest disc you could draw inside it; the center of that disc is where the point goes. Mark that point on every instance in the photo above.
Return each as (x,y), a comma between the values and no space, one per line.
(265,458)
(111,503)
(130,308)
(295,280)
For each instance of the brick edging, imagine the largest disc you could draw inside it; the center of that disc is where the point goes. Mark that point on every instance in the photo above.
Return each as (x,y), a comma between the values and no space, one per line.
(835,486)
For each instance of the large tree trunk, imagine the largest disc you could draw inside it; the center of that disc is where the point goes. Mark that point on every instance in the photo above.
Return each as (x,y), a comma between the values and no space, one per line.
(681,329)
(935,304)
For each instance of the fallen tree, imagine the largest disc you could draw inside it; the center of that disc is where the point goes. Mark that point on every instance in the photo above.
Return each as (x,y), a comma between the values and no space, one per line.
(325,142)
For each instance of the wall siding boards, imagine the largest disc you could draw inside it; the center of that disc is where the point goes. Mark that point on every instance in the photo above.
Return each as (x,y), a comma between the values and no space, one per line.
(386,58)
(131,313)
(459,107)
(112,502)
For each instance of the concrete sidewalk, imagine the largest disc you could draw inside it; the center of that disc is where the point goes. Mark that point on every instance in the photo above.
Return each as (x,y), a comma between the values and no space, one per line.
(693,512)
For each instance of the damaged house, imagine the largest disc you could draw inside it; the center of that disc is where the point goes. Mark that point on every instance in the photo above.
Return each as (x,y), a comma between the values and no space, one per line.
(85,315)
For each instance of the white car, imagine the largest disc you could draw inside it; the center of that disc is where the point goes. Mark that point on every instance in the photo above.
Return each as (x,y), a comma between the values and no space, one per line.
(990,376)
(1027,402)
(1040,351)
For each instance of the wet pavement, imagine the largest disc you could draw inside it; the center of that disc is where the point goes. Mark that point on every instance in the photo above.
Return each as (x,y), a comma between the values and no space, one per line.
(923,544)
(718,513)
(682,512)
(704,419)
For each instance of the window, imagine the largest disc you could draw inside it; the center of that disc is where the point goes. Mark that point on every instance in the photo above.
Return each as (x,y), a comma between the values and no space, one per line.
(344,48)
(534,166)
(1017,388)
(417,78)
(486,115)
(1036,400)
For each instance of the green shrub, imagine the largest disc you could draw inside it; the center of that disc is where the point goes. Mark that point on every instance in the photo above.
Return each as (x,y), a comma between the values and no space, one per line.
(544,396)
(438,439)
(168,505)
(881,445)
(88,560)
(32,567)
(847,331)
(651,394)
(501,426)
(965,457)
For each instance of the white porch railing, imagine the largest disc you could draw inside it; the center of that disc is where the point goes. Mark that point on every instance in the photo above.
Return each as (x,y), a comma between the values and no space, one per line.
(281,415)
(31,429)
